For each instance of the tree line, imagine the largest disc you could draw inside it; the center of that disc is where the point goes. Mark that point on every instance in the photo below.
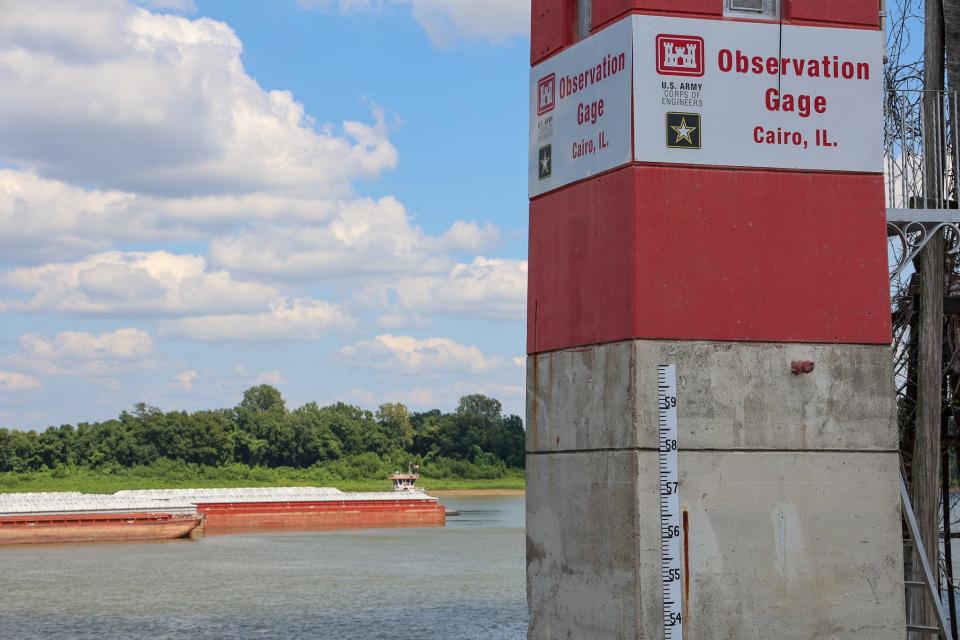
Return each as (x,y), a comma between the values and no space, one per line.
(262,432)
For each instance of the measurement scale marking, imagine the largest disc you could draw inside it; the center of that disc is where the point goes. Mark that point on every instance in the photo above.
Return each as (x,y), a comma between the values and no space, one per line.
(669,504)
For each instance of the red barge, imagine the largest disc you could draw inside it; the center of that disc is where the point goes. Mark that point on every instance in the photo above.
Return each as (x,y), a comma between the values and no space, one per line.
(175,513)
(304,507)
(75,517)
(96,527)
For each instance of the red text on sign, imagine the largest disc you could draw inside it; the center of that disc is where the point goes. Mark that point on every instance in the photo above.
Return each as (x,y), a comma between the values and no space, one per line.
(590,112)
(803,105)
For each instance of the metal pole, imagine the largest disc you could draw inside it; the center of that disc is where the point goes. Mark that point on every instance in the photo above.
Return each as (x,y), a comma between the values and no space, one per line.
(927,576)
(947,533)
(948,552)
(925,119)
(955,155)
(906,144)
(584,18)
(883,27)
(942,178)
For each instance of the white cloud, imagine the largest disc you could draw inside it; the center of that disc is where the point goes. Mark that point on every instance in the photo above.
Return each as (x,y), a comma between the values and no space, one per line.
(469,236)
(398,319)
(109,384)
(447,21)
(299,319)
(497,390)
(419,397)
(185,379)
(121,129)
(486,287)
(365,397)
(78,352)
(273,378)
(43,219)
(364,238)
(405,354)
(110,94)
(182,6)
(346,6)
(122,344)
(13,381)
(135,283)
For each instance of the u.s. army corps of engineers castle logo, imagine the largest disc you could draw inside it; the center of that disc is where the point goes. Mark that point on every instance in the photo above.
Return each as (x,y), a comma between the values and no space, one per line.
(546,94)
(680,55)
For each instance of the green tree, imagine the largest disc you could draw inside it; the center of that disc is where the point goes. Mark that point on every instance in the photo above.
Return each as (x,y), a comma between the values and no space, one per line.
(478,419)
(394,421)
(263,398)
(351,425)
(426,432)
(475,440)
(261,436)
(315,438)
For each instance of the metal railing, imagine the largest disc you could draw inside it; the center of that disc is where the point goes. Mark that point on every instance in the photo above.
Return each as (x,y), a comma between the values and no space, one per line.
(920,150)
(922,182)
(921,169)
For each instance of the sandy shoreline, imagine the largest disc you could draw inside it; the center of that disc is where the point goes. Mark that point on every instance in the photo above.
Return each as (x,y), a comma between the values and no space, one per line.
(476,492)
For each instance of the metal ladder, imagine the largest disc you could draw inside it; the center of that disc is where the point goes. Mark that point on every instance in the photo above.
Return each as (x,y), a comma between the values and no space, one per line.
(929,584)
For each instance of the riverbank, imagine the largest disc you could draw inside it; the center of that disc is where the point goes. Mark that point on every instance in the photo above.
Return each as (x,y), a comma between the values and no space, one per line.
(91,481)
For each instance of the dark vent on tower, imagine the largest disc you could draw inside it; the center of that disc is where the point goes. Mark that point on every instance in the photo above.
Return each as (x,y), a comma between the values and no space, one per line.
(757,6)
(764,9)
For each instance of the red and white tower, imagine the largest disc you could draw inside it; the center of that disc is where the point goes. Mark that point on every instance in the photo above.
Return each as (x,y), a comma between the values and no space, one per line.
(706,190)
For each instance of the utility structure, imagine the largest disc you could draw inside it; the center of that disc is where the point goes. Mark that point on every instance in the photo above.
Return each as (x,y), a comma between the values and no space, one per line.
(707,192)
(922,195)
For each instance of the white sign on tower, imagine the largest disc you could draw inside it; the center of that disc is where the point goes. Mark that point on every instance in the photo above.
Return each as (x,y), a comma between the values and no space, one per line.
(707,92)
(755,94)
(580,110)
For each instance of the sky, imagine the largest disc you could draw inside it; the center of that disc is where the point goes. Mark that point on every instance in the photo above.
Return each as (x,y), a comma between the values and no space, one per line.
(199,196)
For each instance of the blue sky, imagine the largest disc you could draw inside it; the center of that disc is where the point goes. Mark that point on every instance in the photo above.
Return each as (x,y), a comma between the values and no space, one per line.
(325,195)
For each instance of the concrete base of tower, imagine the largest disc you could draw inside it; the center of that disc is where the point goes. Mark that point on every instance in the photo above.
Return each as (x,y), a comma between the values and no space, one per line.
(788,487)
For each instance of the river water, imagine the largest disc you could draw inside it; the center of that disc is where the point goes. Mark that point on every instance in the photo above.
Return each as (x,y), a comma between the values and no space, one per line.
(461,581)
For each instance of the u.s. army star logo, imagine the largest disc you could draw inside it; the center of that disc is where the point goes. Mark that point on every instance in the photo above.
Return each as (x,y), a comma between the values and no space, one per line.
(545,162)
(683,130)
